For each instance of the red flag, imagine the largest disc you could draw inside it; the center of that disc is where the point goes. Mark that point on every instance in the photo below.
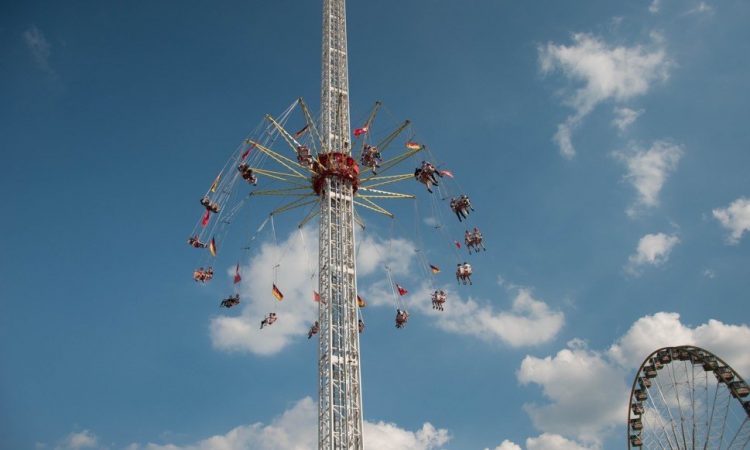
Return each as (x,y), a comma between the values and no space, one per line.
(458,244)
(360,131)
(245,153)
(237,277)
(302,131)
(401,291)
(204,221)
(316,297)
(446,173)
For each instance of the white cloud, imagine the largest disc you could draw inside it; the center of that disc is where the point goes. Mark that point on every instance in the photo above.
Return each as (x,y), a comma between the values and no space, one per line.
(39,47)
(297,259)
(647,170)
(663,329)
(586,389)
(653,249)
(549,441)
(297,429)
(78,441)
(507,445)
(624,117)
(735,218)
(616,73)
(654,7)
(528,322)
(702,8)
(295,313)
(388,436)
(568,380)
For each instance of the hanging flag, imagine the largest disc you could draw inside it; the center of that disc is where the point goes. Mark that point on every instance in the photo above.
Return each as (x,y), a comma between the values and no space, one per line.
(446,173)
(435,269)
(277,293)
(212,247)
(458,244)
(245,153)
(302,131)
(361,302)
(216,183)
(413,145)
(237,277)
(316,297)
(204,220)
(360,131)
(401,291)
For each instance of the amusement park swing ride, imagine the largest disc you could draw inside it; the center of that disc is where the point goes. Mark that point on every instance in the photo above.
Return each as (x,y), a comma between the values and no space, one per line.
(318,164)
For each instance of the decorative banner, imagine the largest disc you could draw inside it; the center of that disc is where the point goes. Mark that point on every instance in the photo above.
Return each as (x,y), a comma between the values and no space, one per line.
(401,291)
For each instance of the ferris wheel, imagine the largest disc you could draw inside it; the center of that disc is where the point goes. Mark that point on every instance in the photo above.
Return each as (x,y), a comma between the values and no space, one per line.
(688,398)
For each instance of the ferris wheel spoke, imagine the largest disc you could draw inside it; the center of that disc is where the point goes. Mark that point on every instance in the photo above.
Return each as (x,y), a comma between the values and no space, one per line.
(740,438)
(651,431)
(658,415)
(669,410)
(724,423)
(679,404)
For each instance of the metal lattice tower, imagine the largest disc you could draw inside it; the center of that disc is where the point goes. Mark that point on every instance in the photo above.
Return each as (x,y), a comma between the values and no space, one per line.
(340,394)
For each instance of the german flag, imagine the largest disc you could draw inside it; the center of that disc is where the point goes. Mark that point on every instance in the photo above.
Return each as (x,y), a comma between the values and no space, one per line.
(212,247)
(411,145)
(434,269)
(361,302)
(277,293)
(302,131)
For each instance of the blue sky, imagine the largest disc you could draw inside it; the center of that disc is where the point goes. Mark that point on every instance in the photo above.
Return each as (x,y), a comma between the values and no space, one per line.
(604,146)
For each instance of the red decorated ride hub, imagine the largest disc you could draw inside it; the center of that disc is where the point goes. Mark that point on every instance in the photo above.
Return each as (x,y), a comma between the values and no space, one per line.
(334,165)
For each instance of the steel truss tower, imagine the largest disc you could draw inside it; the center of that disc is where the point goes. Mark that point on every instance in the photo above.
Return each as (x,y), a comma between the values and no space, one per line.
(340,401)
